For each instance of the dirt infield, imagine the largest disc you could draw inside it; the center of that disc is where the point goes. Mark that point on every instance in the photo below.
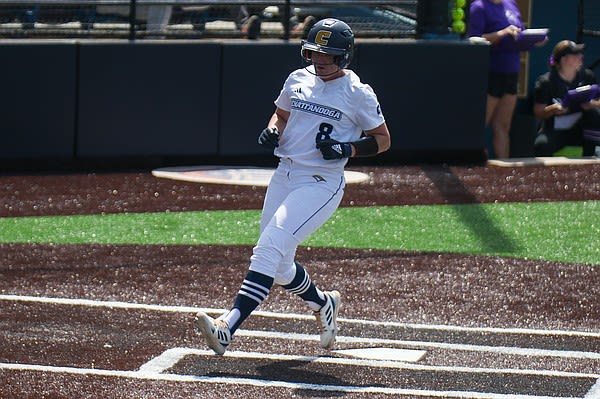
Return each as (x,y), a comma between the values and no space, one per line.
(409,185)
(388,286)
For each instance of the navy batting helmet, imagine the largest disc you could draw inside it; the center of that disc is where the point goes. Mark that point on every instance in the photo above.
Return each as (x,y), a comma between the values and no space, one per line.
(330,36)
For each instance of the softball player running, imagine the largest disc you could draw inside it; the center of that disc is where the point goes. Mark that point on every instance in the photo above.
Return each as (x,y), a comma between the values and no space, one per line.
(320,117)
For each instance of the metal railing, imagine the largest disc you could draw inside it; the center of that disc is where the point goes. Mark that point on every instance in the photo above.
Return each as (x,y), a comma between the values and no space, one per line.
(368,18)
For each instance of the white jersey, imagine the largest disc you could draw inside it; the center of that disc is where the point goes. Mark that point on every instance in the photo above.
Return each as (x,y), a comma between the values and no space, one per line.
(340,109)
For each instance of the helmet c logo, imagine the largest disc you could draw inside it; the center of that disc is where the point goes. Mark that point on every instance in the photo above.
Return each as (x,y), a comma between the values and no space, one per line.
(322,37)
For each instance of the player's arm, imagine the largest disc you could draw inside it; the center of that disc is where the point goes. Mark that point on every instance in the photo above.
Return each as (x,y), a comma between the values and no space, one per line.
(543,111)
(279,120)
(495,37)
(375,141)
(380,134)
(269,137)
(477,26)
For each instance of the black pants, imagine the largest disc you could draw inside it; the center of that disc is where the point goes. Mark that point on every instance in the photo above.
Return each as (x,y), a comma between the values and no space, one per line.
(548,142)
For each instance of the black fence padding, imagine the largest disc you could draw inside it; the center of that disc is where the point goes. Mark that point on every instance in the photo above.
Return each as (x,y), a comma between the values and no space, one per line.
(207,100)
(37,106)
(253,75)
(148,99)
(432,92)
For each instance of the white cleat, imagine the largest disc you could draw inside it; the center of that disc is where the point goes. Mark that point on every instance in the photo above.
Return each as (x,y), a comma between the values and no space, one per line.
(326,318)
(215,331)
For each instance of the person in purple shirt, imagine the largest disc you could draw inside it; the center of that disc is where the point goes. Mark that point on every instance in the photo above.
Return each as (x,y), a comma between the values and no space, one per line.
(499,21)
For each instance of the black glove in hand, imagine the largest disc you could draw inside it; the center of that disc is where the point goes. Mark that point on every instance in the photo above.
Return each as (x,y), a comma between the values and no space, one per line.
(333,149)
(269,138)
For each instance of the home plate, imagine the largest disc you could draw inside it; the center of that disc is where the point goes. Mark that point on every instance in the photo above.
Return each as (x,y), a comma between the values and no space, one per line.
(245,176)
(399,355)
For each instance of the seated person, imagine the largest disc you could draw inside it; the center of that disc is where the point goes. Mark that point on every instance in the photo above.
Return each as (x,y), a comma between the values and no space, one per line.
(246,18)
(565,125)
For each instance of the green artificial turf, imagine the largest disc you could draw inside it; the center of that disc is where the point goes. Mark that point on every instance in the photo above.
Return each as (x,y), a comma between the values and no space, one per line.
(569,152)
(562,231)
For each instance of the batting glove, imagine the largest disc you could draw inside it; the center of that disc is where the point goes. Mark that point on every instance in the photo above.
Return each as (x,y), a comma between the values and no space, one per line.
(333,149)
(269,138)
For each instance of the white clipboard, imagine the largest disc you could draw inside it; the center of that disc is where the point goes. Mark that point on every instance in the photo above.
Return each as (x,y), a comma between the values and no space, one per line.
(564,122)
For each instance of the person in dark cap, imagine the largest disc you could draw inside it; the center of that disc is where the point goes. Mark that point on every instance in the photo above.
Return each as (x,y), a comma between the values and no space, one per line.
(566,122)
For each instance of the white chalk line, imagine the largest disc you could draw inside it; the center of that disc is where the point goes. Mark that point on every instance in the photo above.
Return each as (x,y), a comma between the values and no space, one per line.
(172,356)
(141,375)
(594,392)
(343,339)
(190,309)
(505,350)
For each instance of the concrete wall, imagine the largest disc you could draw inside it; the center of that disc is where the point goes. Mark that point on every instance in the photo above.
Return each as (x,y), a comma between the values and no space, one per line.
(77,100)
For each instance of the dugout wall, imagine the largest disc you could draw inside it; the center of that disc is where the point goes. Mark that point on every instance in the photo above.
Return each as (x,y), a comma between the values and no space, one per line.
(148,99)
(78,100)
(38,104)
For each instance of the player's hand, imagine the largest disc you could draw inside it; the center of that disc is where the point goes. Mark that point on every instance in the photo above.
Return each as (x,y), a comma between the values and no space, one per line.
(333,149)
(269,138)
(555,109)
(510,30)
(590,104)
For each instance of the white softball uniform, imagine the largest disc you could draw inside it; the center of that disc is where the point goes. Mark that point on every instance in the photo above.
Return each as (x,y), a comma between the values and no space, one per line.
(306,189)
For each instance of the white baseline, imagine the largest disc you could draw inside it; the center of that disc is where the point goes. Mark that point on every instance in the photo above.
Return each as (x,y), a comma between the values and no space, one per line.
(367,340)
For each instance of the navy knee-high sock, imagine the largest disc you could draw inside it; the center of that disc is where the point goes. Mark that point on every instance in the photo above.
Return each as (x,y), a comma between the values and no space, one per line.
(302,286)
(254,290)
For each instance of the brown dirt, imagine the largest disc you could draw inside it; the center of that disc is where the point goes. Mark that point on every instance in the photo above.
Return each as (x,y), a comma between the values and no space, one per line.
(28,195)
(466,286)
(427,288)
